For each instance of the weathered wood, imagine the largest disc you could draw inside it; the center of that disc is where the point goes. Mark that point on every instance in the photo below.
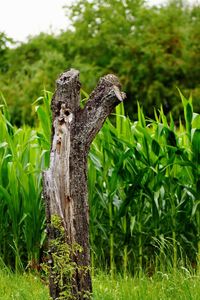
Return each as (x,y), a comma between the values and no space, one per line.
(65,182)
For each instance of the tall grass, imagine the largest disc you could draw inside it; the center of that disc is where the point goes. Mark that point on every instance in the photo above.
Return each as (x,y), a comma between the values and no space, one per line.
(144,179)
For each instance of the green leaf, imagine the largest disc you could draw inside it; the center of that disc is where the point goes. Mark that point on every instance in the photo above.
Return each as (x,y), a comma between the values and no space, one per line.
(4,193)
(195,207)
(44,122)
(170,136)
(196,121)
(196,146)
(3,145)
(132,224)
(189,113)
(155,147)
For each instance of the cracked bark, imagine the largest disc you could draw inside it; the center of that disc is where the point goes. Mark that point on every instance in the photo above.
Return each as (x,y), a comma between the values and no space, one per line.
(65,182)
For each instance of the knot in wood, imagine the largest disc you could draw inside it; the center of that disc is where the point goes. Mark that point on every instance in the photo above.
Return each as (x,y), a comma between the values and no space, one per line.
(112,80)
(64,114)
(65,110)
(68,76)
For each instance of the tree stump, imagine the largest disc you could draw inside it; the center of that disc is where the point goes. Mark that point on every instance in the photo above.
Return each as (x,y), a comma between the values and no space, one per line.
(65,182)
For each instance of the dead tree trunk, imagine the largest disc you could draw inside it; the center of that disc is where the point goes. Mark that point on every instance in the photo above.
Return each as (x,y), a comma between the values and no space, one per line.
(65,182)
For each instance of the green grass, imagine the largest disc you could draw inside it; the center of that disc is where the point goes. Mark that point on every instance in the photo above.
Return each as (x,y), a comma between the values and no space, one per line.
(179,285)
(21,287)
(160,286)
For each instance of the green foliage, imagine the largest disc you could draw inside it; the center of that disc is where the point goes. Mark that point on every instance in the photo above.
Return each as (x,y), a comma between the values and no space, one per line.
(143,183)
(22,212)
(64,268)
(148,48)
(152,50)
(4,49)
(33,66)
(143,191)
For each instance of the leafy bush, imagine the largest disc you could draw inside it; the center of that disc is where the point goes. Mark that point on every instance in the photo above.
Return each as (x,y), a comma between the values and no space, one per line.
(151,49)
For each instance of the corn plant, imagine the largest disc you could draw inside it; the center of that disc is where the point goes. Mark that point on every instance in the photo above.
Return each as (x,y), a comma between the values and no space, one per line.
(144,179)
(22,158)
(144,191)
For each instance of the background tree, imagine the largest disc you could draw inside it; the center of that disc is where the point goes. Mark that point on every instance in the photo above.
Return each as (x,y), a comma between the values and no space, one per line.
(151,49)
(147,47)
(5,42)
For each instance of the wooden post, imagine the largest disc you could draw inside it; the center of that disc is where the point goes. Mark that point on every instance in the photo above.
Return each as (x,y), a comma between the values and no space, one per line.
(65,182)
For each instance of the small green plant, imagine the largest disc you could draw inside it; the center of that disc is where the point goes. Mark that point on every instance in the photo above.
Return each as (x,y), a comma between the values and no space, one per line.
(62,267)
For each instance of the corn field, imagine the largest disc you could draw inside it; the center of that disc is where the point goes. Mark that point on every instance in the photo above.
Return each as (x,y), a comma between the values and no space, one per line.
(144,184)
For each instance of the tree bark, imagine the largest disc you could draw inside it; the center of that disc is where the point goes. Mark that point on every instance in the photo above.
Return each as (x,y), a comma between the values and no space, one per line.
(65,182)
